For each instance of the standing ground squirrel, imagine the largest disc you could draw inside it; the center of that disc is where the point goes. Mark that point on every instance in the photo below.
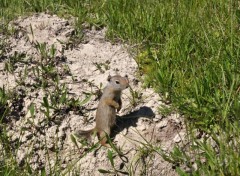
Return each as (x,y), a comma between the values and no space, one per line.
(110,101)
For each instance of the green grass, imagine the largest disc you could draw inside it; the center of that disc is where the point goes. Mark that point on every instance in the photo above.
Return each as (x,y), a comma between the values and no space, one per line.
(188,51)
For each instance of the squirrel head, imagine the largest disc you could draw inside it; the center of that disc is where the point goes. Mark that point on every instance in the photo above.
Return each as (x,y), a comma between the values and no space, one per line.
(118,82)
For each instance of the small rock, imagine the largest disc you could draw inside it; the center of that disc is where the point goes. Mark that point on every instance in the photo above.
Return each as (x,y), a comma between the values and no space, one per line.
(135,81)
(142,127)
(124,132)
(28,135)
(157,118)
(34,158)
(65,125)
(176,118)
(52,131)
(195,167)
(162,124)
(21,156)
(177,138)
(36,146)
(62,134)
(164,148)
(50,146)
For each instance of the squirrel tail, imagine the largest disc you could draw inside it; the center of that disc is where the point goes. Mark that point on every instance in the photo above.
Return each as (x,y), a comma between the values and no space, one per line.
(85,133)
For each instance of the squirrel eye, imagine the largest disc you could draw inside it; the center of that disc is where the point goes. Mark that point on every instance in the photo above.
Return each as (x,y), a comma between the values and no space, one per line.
(117,82)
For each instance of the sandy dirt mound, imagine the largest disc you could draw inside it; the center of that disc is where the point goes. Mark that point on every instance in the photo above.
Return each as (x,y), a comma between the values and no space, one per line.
(82,65)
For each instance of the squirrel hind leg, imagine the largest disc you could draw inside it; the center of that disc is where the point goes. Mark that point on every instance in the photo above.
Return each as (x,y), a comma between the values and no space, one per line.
(103,138)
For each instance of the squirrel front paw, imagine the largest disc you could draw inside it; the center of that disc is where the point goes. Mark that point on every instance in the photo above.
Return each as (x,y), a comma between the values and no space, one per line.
(119,108)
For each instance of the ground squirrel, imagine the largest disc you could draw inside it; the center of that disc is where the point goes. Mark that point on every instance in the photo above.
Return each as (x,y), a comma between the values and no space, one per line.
(110,101)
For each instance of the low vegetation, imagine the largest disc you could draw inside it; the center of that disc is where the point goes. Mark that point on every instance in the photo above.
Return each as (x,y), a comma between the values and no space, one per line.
(188,51)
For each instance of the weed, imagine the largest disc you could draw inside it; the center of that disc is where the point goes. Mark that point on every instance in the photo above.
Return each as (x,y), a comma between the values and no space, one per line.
(47,55)
(3,48)
(4,108)
(114,171)
(11,64)
(102,66)
(135,97)
(76,37)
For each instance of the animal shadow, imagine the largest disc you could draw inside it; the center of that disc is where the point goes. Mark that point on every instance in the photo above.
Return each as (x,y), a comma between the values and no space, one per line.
(131,119)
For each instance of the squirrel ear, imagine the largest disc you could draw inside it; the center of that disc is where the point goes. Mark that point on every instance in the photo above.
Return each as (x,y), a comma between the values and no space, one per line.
(109,78)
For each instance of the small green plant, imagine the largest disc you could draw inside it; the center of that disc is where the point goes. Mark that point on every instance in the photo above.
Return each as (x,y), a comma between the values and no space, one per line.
(3,48)
(47,55)
(77,104)
(76,37)
(114,171)
(47,107)
(59,97)
(8,162)
(135,97)
(102,66)
(166,110)
(11,63)
(4,108)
